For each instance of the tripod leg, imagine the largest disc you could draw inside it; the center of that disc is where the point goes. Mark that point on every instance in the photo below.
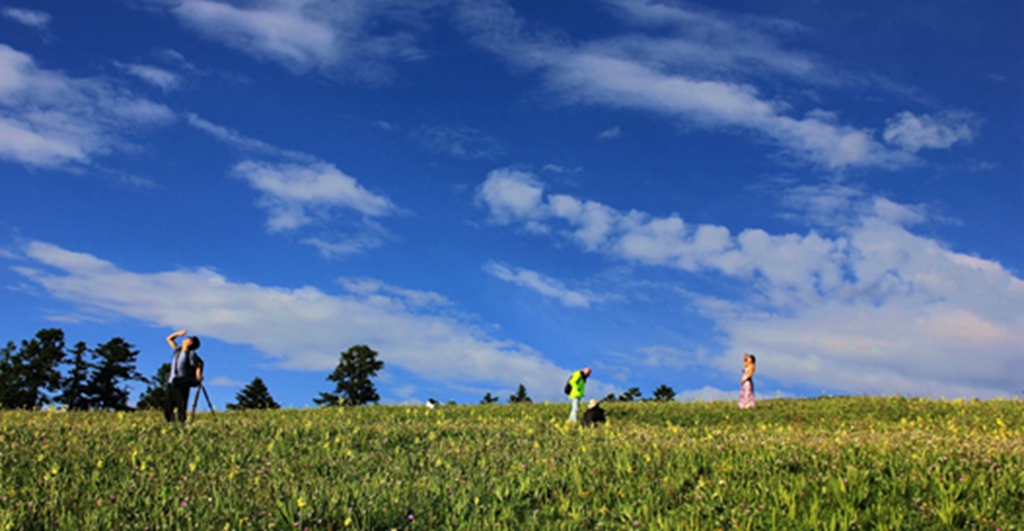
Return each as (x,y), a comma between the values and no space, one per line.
(208,402)
(195,401)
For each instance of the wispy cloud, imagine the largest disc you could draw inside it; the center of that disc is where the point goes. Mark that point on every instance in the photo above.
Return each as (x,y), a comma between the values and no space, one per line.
(701,70)
(544,285)
(224,381)
(245,143)
(614,132)
(296,195)
(301,328)
(51,120)
(876,309)
(29,17)
(304,192)
(165,80)
(914,133)
(458,142)
(359,37)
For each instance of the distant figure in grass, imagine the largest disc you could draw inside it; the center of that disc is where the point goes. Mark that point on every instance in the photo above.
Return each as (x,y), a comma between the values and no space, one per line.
(575,388)
(747,382)
(186,372)
(594,415)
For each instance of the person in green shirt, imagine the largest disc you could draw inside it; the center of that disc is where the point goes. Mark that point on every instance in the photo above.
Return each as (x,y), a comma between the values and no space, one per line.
(577,387)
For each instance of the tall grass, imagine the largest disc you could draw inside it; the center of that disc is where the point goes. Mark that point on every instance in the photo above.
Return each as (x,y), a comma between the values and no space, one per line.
(838,463)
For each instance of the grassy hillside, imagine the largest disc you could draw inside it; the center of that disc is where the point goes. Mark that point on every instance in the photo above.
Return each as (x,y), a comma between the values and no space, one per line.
(836,463)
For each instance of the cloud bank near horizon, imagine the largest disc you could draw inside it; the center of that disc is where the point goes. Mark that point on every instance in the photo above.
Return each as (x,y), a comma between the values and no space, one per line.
(876,309)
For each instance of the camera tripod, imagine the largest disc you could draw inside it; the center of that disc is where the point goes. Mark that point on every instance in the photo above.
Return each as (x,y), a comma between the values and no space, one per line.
(195,401)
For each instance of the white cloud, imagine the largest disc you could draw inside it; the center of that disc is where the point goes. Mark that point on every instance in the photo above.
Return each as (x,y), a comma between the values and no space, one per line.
(224,381)
(696,75)
(158,77)
(306,192)
(341,246)
(544,285)
(511,195)
(614,132)
(914,133)
(296,195)
(874,309)
(361,37)
(29,17)
(301,328)
(245,143)
(50,120)
(276,30)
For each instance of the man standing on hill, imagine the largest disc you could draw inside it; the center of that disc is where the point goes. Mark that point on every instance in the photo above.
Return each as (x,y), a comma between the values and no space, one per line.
(186,372)
(577,387)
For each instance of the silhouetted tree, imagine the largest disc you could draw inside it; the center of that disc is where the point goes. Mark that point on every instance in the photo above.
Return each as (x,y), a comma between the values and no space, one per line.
(520,397)
(154,395)
(327,399)
(664,394)
(115,365)
(254,396)
(609,398)
(352,376)
(489,399)
(633,393)
(28,374)
(75,388)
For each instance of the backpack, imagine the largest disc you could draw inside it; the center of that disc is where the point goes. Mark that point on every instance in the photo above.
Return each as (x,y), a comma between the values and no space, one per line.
(568,387)
(192,362)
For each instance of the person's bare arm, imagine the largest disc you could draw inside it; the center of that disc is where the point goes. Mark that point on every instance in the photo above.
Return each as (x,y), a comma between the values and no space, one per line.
(171,338)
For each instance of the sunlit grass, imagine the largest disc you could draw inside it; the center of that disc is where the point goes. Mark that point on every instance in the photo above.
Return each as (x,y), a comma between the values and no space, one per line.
(840,463)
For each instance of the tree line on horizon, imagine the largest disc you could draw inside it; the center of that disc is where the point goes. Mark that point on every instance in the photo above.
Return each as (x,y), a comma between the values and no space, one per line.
(42,371)
(95,379)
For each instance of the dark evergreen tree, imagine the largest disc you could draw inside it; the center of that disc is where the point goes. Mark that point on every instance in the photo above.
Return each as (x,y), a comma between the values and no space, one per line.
(115,365)
(520,397)
(610,398)
(489,399)
(153,396)
(633,393)
(75,388)
(327,399)
(353,378)
(29,374)
(664,394)
(254,396)
(10,376)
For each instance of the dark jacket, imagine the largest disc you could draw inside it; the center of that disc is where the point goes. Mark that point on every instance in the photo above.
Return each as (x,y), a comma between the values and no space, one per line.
(593,416)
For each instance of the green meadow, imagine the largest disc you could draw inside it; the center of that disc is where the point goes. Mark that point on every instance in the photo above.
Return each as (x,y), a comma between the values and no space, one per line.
(829,463)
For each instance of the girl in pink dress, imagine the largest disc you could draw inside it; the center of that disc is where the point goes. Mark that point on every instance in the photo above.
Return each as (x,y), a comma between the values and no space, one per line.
(747,382)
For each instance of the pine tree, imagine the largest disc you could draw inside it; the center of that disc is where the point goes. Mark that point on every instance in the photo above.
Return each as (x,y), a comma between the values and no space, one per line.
(75,387)
(489,399)
(28,374)
(154,395)
(352,377)
(520,397)
(664,394)
(254,396)
(633,393)
(115,364)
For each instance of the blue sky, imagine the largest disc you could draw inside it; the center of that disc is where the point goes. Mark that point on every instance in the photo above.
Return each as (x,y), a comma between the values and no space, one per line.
(491,192)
